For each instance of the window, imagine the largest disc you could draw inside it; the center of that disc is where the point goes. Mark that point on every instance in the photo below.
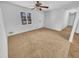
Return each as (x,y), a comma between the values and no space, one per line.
(23,18)
(29,18)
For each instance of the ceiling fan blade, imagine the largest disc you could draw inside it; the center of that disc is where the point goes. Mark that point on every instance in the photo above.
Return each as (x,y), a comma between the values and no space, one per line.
(44,6)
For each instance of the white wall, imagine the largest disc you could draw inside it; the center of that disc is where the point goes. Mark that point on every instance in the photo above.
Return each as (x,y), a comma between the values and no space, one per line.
(55,19)
(3,38)
(13,20)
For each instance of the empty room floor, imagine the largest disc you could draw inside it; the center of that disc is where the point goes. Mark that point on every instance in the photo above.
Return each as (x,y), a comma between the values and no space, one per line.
(74,47)
(38,43)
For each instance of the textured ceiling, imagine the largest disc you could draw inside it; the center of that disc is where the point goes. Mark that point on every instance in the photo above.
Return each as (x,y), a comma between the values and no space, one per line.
(51,4)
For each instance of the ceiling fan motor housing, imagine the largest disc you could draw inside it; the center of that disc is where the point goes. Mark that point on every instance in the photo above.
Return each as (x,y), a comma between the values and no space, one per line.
(38,4)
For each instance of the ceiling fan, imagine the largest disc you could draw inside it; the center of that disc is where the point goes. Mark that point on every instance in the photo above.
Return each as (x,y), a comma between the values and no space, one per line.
(39,6)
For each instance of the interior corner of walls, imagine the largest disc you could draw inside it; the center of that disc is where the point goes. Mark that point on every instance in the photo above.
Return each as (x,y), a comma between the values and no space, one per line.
(42,25)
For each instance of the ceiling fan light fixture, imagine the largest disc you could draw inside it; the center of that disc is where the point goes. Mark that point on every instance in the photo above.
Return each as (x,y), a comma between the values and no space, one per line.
(39,6)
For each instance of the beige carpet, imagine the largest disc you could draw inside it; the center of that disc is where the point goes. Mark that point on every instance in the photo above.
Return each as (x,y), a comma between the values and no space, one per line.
(40,43)
(74,47)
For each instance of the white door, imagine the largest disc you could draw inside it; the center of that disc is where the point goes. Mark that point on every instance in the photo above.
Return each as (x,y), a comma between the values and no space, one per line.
(3,39)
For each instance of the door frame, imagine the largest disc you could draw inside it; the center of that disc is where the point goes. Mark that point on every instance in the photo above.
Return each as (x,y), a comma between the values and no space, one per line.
(3,38)
(75,22)
(74,26)
(67,14)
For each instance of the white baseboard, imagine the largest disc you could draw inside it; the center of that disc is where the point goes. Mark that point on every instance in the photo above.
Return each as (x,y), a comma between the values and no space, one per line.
(56,28)
(18,32)
(14,33)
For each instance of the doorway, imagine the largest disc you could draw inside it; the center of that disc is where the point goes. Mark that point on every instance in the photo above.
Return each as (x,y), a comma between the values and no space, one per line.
(71,19)
(70,23)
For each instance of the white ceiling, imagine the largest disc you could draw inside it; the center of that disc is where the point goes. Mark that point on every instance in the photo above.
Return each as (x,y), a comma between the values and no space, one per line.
(51,4)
